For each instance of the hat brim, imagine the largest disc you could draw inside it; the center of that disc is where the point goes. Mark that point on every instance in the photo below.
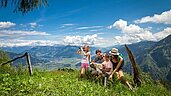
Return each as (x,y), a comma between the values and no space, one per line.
(113,53)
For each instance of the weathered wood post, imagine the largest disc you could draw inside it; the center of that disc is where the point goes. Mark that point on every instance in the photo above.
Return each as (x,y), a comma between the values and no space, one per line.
(105,81)
(29,63)
(136,73)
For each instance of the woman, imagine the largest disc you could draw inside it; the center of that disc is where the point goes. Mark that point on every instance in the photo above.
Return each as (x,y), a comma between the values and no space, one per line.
(118,62)
(85,52)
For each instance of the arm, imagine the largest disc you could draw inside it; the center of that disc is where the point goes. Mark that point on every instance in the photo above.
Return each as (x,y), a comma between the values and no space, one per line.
(85,54)
(95,59)
(105,68)
(89,57)
(81,52)
(78,52)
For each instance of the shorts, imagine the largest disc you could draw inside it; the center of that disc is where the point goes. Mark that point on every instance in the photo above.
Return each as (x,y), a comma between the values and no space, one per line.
(84,65)
(106,75)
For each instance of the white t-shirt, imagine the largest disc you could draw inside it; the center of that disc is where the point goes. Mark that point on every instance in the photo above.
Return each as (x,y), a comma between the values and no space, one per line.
(85,57)
(108,65)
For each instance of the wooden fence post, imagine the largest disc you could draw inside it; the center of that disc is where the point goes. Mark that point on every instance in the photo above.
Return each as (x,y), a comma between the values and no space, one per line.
(105,81)
(29,63)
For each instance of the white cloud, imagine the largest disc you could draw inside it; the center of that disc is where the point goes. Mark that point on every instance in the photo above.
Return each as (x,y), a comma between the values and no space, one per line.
(94,30)
(17,42)
(20,33)
(133,33)
(68,24)
(162,34)
(133,38)
(161,18)
(92,40)
(90,27)
(119,24)
(6,24)
(100,33)
(122,25)
(80,40)
(33,24)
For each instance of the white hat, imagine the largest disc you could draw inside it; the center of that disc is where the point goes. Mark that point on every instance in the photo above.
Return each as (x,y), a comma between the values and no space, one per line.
(114,51)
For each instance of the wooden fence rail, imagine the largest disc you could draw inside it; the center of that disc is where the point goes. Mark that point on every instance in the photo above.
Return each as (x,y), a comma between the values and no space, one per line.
(28,62)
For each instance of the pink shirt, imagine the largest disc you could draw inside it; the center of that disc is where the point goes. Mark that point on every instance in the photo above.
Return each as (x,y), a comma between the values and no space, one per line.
(108,65)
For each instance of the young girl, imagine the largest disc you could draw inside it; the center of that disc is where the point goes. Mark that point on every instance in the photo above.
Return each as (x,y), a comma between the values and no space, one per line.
(85,52)
(106,67)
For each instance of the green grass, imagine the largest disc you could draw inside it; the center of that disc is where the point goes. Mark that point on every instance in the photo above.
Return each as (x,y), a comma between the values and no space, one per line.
(62,83)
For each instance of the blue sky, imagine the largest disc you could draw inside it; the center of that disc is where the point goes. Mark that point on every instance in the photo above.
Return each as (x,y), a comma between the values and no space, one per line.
(95,22)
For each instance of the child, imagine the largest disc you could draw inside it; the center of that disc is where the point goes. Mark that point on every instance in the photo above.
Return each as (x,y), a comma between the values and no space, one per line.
(85,52)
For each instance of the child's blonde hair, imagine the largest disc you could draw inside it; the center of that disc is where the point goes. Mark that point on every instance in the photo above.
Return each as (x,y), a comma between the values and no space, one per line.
(106,56)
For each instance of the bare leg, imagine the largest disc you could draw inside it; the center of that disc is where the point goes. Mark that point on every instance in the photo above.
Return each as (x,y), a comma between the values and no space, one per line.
(120,73)
(86,72)
(81,72)
(99,76)
(123,80)
(97,79)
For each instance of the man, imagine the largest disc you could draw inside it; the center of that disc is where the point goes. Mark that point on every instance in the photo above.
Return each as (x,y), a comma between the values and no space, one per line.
(98,60)
(99,57)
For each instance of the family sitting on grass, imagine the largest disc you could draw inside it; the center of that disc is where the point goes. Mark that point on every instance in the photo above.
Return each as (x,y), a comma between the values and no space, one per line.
(105,65)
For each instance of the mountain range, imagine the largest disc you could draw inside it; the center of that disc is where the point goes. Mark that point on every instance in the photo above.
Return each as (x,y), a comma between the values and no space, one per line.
(157,59)
(151,57)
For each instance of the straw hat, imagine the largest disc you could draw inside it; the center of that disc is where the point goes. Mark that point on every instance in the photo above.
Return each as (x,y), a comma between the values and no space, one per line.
(114,51)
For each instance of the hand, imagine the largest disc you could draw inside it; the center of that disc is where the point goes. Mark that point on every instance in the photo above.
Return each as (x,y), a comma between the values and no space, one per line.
(110,77)
(81,49)
(92,65)
(93,62)
(103,66)
(101,54)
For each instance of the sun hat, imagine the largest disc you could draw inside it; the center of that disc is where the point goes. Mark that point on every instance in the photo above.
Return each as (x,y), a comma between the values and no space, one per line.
(114,51)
